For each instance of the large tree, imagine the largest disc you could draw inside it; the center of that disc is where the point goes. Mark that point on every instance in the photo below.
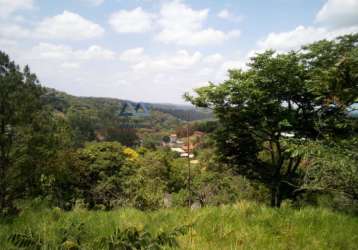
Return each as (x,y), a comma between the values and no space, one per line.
(19,103)
(30,134)
(281,101)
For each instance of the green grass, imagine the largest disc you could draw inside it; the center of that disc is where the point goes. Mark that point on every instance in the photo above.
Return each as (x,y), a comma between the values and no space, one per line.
(241,226)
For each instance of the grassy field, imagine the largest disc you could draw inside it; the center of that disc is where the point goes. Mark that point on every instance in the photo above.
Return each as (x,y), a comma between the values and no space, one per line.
(241,226)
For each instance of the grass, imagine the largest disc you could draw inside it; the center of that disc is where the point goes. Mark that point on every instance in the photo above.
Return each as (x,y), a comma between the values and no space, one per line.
(244,225)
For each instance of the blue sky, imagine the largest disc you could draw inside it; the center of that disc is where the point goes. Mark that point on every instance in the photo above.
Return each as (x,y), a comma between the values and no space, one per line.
(155,50)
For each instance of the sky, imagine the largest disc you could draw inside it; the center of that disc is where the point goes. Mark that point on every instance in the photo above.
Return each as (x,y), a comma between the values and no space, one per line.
(155,50)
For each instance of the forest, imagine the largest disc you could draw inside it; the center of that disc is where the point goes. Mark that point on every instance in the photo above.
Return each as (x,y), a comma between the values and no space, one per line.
(276,160)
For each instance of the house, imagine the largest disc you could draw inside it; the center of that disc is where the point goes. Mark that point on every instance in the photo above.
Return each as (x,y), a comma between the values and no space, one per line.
(185,147)
(288,135)
(100,135)
(178,150)
(173,138)
(186,155)
(199,133)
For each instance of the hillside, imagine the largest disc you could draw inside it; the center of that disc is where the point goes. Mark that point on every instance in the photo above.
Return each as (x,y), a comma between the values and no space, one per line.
(93,118)
(62,101)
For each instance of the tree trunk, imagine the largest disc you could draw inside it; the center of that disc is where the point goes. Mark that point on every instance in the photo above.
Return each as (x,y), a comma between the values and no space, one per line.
(3,195)
(276,197)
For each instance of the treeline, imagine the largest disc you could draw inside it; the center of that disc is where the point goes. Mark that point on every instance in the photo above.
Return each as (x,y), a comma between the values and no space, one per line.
(188,114)
(99,118)
(207,127)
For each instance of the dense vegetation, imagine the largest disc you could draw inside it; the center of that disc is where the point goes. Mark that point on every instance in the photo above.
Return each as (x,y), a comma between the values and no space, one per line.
(74,172)
(271,114)
(99,118)
(241,226)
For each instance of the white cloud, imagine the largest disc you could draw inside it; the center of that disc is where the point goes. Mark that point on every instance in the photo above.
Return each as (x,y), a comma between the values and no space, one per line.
(206,71)
(181,60)
(227,15)
(176,15)
(182,25)
(7,7)
(96,52)
(131,21)
(66,53)
(339,13)
(339,17)
(132,55)
(70,65)
(301,35)
(4,43)
(177,23)
(213,59)
(52,51)
(13,31)
(68,25)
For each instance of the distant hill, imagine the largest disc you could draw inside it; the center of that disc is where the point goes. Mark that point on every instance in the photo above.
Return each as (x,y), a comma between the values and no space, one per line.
(183,112)
(94,118)
(62,101)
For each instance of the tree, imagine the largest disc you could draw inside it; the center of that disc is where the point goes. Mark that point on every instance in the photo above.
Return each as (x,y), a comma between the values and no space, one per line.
(125,136)
(166,139)
(332,168)
(83,122)
(278,103)
(31,135)
(20,105)
(100,170)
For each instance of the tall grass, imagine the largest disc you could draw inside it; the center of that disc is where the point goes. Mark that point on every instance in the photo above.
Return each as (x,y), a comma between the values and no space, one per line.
(241,226)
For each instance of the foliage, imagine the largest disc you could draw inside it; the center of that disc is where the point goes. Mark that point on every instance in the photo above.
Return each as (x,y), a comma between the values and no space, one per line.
(243,225)
(151,180)
(125,136)
(133,238)
(188,114)
(303,94)
(30,135)
(83,122)
(166,139)
(101,169)
(27,240)
(98,118)
(333,168)
(130,153)
(205,126)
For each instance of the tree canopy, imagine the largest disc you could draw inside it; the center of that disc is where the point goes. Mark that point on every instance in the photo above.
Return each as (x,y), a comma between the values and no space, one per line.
(281,101)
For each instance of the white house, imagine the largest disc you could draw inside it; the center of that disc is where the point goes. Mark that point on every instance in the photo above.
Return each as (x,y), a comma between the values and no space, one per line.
(173,138)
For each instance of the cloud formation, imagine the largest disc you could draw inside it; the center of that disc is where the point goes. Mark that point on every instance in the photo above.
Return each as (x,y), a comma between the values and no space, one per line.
(63,53)
(176,23)
(294,39)
(131,21)
(68,25)
(336,18)
(132,55)
(228,15)
(180,60)
(180,47)
(8,7)
(339,13)
(184,26)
